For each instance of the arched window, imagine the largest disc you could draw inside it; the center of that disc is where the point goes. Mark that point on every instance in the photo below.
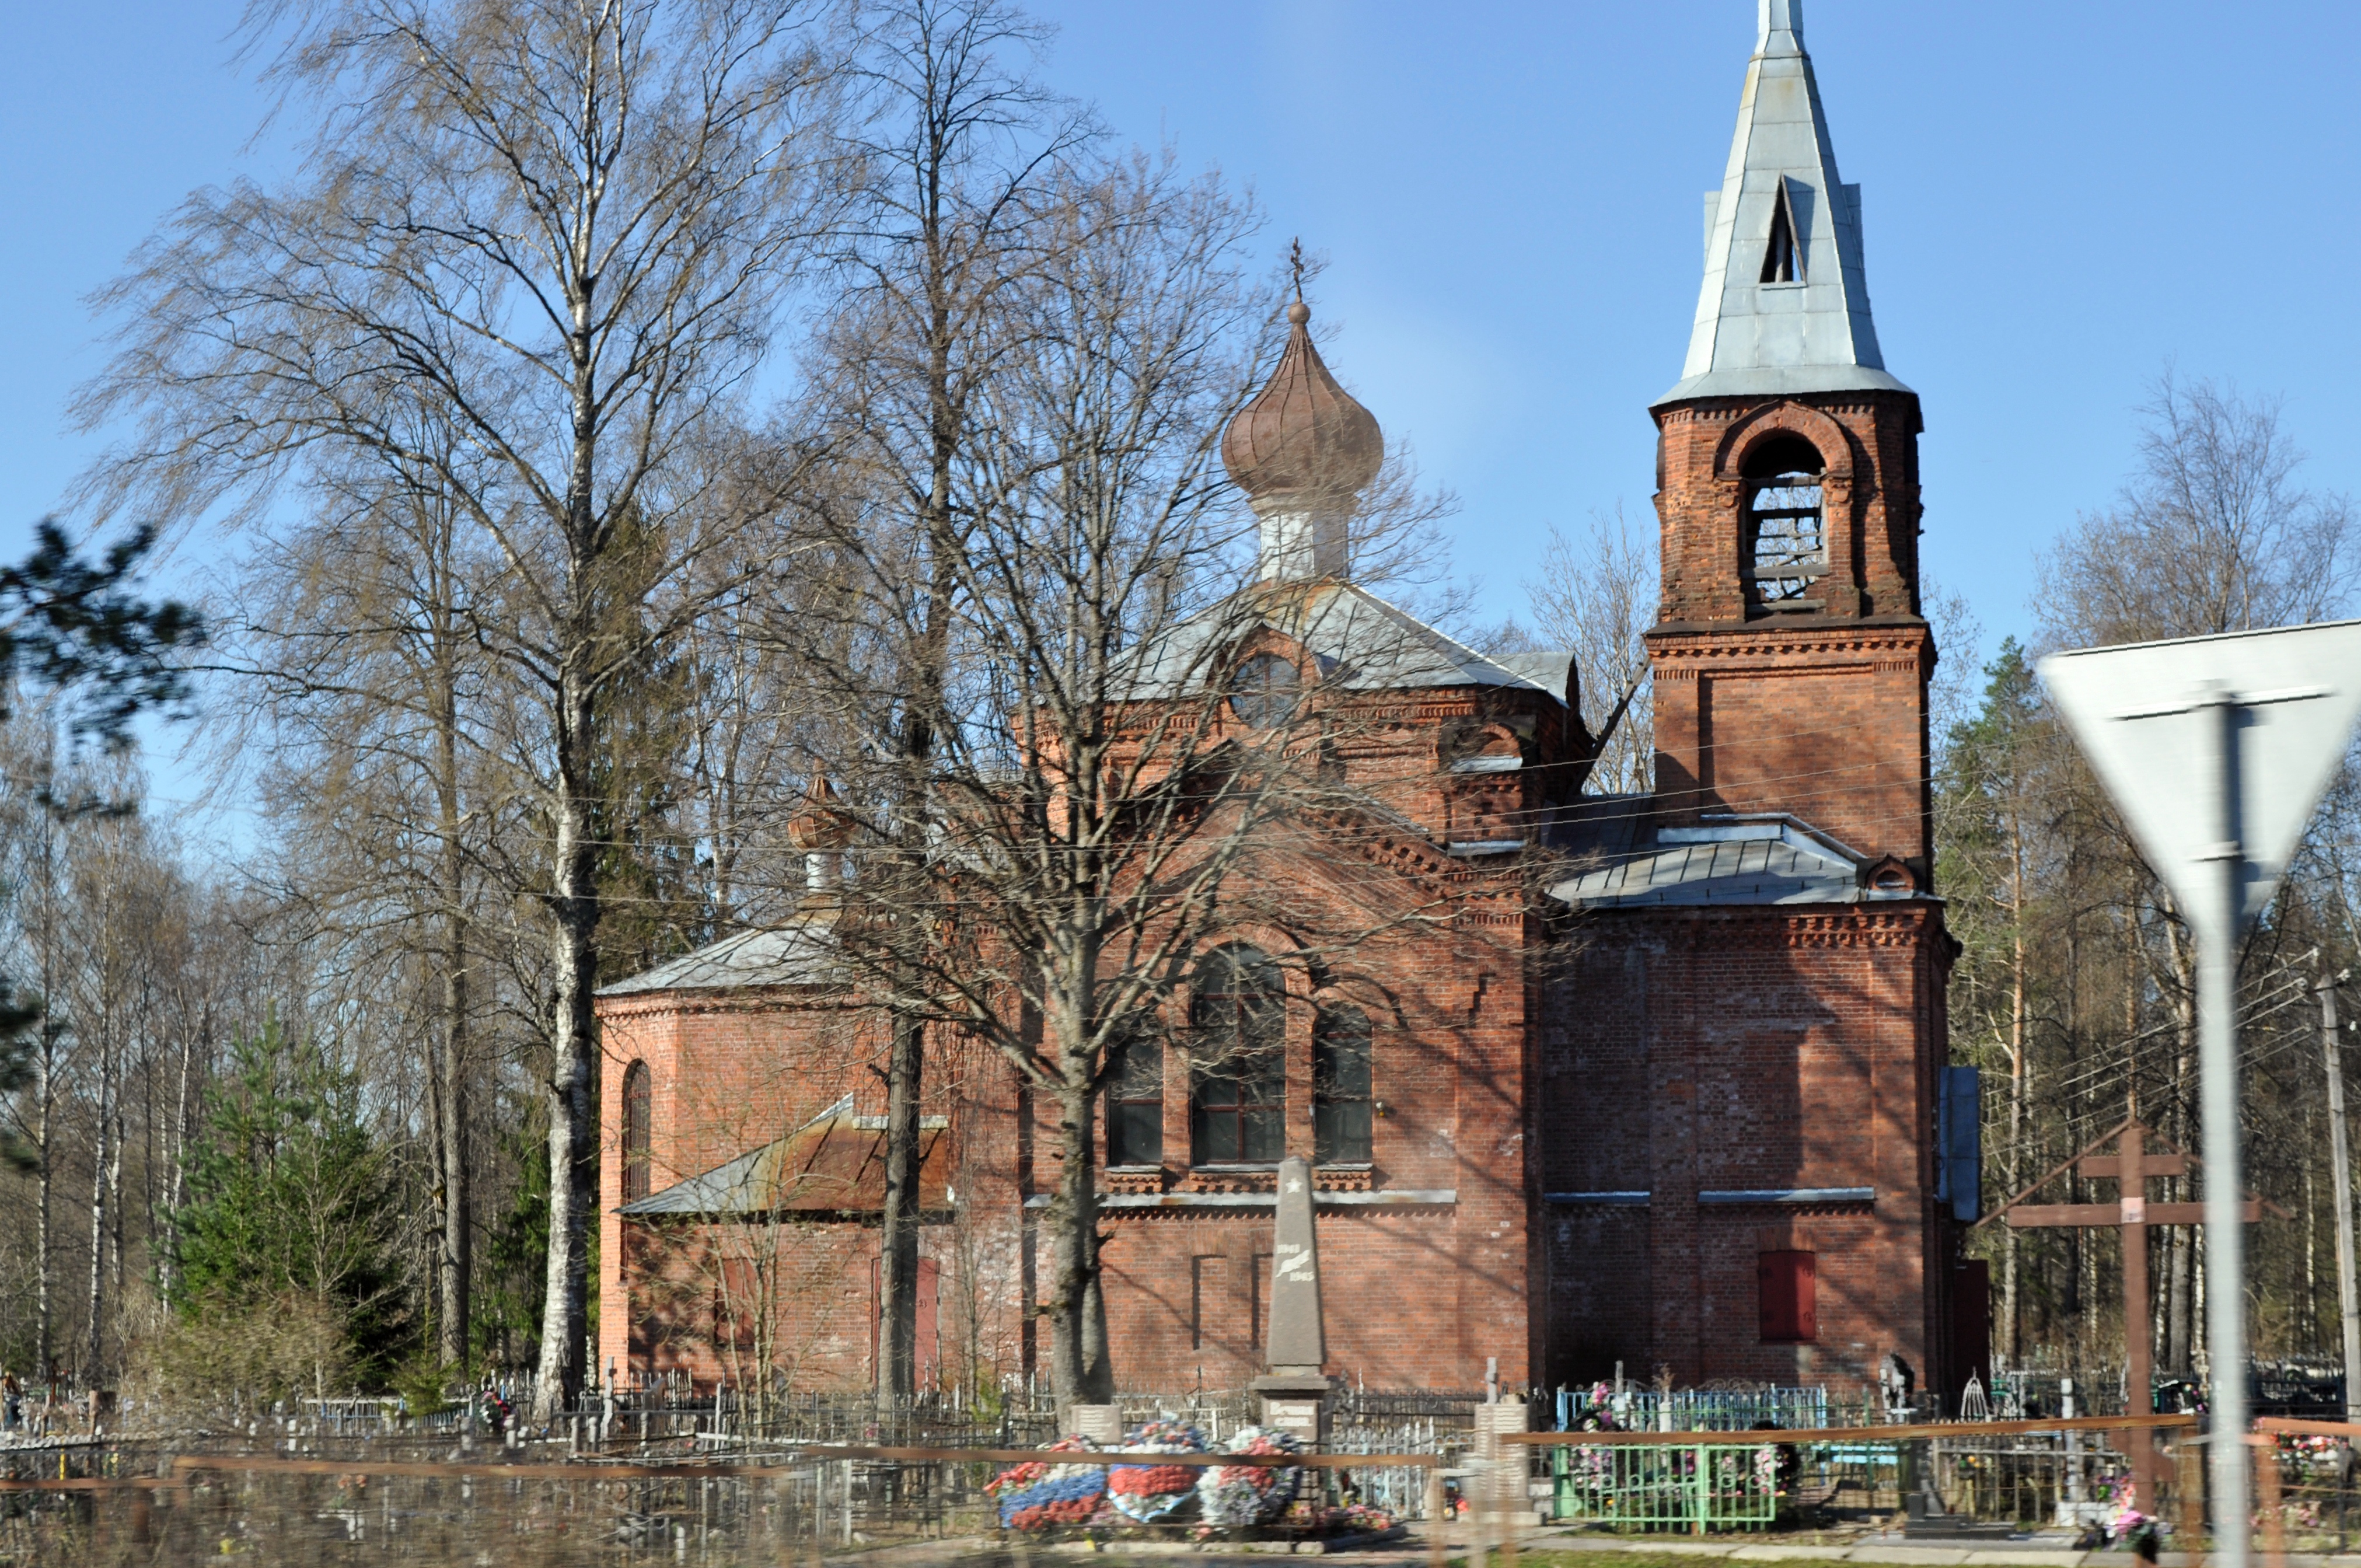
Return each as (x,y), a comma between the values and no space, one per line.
(1264,690)
(1237,1069)
(1787,547)
(1342,1102)
(637,1126)
(1135,1100)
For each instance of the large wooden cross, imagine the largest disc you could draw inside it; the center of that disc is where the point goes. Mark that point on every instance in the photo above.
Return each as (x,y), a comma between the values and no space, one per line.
(2131,1165)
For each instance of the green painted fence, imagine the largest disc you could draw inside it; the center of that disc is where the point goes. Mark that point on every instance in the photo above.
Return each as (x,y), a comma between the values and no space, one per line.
(1690,1489)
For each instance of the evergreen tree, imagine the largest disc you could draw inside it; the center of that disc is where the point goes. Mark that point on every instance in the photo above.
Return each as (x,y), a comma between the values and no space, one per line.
(1991,864)
(290,1194)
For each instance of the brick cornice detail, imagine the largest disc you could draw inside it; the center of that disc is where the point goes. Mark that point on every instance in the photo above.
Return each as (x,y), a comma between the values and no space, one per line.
(1411,857)
(751,999)
(1669,647)
(1899,925)
(1261,1219)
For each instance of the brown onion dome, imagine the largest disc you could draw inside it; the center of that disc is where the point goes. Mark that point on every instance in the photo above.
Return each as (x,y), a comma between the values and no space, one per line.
(821,823)
(1303,435)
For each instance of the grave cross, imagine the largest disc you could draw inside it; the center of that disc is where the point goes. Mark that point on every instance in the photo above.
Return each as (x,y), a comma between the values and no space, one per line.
(2130,1167)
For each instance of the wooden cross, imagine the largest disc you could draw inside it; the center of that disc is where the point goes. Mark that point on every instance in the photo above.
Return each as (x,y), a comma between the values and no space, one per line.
(2130,1166)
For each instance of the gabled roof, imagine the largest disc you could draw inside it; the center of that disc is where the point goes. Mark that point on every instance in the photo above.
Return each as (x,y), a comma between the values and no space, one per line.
(1548,671)
(833,1164)
(1811,333)
(1362,642)
(793,954)
(1750,859)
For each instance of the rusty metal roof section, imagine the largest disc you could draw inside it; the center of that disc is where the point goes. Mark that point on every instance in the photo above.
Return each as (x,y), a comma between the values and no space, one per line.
(1785,306)
(1733,860)
(1303,438)
(833,1164)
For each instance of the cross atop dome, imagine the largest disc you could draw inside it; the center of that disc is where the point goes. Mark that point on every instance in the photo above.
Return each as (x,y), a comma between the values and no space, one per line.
(1302,450)
(1785,306)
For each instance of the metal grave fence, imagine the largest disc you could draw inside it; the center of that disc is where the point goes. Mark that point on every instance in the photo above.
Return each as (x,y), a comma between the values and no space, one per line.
(1691,1488)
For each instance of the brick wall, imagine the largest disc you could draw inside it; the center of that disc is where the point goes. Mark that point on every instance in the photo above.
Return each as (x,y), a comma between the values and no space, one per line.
(1824,722)
(1671,1052)
(1821,712)
(1704,1050)
(1417,1296)
(1868,443)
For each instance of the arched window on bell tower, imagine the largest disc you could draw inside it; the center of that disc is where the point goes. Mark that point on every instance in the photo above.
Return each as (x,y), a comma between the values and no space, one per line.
(1786,544)
(637,1128)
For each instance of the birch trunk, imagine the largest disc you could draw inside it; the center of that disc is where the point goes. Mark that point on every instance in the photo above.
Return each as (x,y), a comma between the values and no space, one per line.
(93,1343)
(2011,1305)
(571,1091)
(455,1261)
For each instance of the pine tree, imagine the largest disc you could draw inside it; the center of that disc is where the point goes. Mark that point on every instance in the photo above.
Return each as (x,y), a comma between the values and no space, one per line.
(290,1194)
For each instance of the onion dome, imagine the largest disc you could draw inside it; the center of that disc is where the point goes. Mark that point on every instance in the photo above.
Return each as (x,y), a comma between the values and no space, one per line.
(1303,436)
(821,831)
(821,823)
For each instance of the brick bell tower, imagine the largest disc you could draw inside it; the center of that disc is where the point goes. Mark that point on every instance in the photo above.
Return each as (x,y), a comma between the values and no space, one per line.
(1791,659)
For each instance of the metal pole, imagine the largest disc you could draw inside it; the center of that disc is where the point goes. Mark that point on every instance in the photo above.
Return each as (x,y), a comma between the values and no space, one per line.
(2139,1385)
(2348,1290)
(2073,1445)
(2217,1055)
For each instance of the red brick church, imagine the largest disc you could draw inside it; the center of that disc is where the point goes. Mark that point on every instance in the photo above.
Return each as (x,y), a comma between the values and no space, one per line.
(1683,1110)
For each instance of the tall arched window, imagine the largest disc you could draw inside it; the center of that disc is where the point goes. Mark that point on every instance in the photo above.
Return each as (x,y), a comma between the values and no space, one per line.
(1135,1098)
(637,1126)
(1787,537)
(1237,1069)
(1342,1100)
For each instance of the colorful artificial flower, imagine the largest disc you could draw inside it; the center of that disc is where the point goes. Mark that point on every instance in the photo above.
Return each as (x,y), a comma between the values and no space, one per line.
(1038,1495)
(1236,1495)
(1156,1494)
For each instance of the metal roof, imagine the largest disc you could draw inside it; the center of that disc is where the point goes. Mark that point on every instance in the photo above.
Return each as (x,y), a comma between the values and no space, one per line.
(793,954)
(1723,860)
(1551,671)
(833,1164)
(1814,333)
(1361,642)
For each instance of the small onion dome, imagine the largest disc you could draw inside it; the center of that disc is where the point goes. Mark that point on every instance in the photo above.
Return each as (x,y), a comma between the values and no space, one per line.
(1303,435)
(822,824)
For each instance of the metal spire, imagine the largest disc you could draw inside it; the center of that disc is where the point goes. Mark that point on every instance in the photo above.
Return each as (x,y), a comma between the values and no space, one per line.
(1785,307)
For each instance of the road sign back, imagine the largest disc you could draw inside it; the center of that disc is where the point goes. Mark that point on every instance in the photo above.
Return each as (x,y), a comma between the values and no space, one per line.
(2147,716)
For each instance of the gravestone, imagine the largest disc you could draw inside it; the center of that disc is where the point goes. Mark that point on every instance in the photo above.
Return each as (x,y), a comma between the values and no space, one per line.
(1502,1490)
(1294,1390)
(1102,1424)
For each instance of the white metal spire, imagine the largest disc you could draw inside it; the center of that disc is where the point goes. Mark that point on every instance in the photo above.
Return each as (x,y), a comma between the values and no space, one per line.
(1786,305)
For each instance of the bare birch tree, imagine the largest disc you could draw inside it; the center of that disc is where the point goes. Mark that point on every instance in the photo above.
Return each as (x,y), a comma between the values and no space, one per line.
(566,230)
(358,642)
(962,148)
(1099,784)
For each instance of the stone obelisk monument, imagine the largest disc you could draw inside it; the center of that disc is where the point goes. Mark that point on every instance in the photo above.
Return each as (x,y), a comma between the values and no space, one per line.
(1294,1390)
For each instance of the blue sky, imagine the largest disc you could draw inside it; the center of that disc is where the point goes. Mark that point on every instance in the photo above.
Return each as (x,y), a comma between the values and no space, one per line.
(2058,199)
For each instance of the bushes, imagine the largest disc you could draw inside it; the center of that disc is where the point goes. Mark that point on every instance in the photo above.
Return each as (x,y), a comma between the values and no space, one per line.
(225,1358)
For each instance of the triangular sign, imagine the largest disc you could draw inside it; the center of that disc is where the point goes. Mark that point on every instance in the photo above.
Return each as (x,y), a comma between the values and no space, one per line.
(2150,715)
